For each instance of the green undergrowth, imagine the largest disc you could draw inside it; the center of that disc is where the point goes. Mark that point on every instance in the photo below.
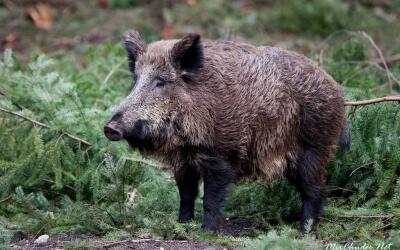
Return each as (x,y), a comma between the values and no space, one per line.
(50,183)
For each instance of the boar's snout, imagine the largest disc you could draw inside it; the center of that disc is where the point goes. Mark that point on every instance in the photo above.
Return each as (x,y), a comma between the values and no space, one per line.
(137,134)
(113,131)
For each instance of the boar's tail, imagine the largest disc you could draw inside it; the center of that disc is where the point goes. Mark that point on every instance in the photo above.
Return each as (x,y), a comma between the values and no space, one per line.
(344,140)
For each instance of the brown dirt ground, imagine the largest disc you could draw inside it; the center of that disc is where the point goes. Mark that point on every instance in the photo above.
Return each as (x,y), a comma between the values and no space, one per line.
(233,226)
(140,244)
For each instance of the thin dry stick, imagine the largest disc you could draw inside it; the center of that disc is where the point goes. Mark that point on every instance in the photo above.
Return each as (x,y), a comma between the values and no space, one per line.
(73,137)
(373,101)
(340,188)
(362,166)
(371,41)
(153,164)
(5,199)
(114,243)
(385,216)
(353,112)
(68,186)
(393,77)
(25,118)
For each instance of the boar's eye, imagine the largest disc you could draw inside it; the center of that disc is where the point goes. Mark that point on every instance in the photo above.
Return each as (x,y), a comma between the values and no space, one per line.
(159,82)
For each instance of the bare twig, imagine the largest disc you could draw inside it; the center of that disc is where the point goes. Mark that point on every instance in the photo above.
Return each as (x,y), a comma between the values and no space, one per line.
(6,199)
(371,41)
(150,163)
(384,216)
(393,77)
(68,186)
(373,101)
(73,137)
(362,166)
(340,188)
(114,243)
(25,118)
(353,112)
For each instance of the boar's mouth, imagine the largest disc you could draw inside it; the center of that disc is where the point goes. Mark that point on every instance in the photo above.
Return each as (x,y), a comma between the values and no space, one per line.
(142,138)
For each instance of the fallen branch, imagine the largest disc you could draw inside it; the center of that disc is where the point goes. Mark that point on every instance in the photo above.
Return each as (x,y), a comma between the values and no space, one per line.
(115,243)
(373,101)
(385,216)
(73,137)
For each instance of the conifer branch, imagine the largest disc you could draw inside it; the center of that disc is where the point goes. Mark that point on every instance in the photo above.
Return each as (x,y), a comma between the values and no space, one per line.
(73,137)
(373,101)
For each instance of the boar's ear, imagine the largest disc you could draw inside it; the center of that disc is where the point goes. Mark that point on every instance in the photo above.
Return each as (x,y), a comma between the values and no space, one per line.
(187,56)
(134,45)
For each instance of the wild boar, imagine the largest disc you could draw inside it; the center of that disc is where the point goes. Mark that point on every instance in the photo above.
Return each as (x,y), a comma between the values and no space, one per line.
(223,111)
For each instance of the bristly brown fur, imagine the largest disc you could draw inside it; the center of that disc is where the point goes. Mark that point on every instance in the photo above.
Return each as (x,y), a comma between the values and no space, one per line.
(229,110)
(263,105)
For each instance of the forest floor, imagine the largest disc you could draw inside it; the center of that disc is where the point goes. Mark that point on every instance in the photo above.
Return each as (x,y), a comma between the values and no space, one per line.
(235,227)
(72,242)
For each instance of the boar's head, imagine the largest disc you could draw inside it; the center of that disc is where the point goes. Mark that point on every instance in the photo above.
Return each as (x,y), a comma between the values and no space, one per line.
(163,72)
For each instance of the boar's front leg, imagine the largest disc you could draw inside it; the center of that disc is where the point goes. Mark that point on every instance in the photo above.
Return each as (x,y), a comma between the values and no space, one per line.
(217,175)
(188,184)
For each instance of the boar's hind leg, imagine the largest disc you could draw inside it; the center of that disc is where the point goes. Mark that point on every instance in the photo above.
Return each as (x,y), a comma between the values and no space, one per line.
(188,185)
(217,176)
(309,178)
